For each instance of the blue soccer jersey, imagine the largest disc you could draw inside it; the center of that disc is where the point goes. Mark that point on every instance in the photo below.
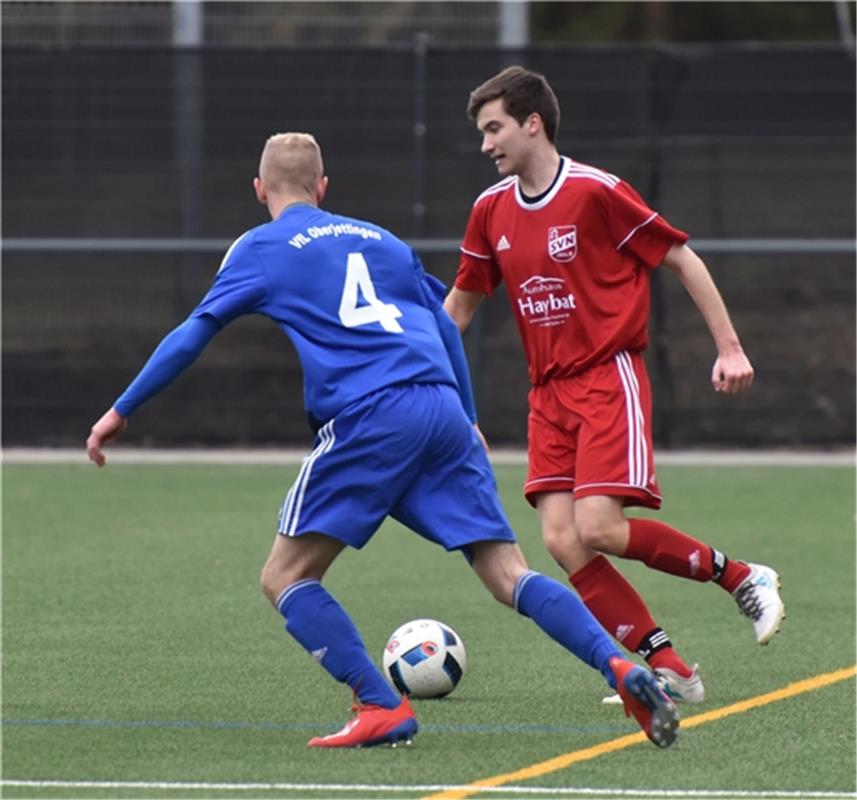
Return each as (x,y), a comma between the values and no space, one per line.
(326,280)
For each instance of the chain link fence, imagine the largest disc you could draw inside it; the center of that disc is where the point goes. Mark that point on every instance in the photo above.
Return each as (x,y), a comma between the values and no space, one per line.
(116,149)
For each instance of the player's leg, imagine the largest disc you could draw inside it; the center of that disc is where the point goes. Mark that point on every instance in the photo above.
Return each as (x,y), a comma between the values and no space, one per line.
(291,580)
(454,502)
(603,527)
(620,470)
(755,587)
(335,492)
(661,547)
(616,469)
(557,441)
(617,605)
(563,617)
(552,606)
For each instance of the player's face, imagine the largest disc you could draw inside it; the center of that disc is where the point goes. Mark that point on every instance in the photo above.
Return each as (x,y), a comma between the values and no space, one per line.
(504,140)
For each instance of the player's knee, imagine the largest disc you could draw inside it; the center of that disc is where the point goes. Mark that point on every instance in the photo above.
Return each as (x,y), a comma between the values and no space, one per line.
(275,577)
(501,592)
(268,580)
(597,533)
(559,541)
(499,566)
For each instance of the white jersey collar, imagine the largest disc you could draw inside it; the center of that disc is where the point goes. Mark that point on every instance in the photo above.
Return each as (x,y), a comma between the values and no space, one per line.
(558,182)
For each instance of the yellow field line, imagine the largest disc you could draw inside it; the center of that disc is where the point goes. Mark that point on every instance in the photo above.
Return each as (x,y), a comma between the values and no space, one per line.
(588,753)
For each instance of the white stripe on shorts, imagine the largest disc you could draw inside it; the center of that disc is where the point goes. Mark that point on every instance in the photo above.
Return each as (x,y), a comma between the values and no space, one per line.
(638,451)
(294,499)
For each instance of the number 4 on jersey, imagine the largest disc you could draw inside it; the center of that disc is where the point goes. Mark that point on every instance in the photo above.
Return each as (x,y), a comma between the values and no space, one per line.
(357,282)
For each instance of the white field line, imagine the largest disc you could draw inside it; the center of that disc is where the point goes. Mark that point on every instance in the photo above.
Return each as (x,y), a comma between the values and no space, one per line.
(131,455)
(559,791)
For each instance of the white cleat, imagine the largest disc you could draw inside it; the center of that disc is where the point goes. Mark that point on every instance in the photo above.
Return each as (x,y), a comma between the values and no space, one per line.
(680,690)
(758,598)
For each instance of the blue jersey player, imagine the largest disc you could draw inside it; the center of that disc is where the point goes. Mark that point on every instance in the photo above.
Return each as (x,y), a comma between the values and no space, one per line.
(387,387)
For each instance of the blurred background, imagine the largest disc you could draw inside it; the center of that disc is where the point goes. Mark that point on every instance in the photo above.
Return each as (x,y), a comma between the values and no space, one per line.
(132,131)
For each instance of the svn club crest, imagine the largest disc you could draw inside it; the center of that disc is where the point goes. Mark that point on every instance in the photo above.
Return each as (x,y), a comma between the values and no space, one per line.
(562,242)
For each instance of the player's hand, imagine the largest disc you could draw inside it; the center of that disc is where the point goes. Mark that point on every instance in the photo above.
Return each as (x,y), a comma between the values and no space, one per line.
(106,430)
(481,436)
(732,373)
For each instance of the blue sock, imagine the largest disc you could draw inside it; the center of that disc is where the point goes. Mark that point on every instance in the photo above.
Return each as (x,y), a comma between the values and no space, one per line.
(562,615)
(324,629)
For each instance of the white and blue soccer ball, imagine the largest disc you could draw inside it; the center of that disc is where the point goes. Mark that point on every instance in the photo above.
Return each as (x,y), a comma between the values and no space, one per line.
(425,659)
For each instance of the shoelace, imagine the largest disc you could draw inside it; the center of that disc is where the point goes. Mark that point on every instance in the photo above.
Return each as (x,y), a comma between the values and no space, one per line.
(748,601)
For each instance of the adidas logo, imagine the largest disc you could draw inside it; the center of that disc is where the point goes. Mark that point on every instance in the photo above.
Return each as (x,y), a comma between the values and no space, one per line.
(693,562)
(319,654)
(623,630)
(503,244)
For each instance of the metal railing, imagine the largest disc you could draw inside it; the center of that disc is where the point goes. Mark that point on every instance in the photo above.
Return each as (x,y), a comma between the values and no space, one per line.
(801,246)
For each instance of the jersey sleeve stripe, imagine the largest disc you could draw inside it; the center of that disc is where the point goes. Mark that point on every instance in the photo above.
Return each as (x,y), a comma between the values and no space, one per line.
(502,186)
(582,170)
(634,230)
(229,251)
(587,176)
(474,255)
(601,177)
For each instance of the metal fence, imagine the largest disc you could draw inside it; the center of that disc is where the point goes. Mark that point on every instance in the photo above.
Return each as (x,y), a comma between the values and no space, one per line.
(126,172)
(252,23)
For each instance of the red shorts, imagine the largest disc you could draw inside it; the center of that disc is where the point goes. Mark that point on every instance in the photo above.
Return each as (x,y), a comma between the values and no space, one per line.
(591,434)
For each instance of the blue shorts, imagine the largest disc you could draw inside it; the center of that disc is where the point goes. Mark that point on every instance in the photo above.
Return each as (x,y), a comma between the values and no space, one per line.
(408,452)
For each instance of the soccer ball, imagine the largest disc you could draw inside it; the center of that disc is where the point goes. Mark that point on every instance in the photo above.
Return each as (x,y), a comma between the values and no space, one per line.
(425,659)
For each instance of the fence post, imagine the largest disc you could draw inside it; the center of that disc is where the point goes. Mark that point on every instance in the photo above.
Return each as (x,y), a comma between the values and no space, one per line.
(188,36)
(420,78)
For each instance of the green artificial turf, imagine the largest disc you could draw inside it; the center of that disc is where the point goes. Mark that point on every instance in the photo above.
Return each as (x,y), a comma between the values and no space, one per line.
(137,646)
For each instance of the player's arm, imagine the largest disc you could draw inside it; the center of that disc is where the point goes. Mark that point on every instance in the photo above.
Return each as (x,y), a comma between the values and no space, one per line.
(732,371)
(461,306)
(178,350)
(451,338)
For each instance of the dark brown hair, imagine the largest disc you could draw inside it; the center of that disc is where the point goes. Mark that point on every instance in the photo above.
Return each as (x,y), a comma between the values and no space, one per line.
(523,93)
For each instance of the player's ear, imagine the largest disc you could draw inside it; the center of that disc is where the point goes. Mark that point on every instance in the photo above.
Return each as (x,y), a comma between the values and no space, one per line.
(533,124)
(259,188)
(321,189)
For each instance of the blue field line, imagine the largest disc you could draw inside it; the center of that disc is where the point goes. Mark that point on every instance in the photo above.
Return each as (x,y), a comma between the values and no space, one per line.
(189,724)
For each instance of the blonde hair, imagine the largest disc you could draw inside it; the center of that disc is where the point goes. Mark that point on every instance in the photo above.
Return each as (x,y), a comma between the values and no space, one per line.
(289,161)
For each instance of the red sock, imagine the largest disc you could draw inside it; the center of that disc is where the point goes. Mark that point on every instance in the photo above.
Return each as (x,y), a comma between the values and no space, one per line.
(618,607)
(733,575)
(670,659)
(664,548)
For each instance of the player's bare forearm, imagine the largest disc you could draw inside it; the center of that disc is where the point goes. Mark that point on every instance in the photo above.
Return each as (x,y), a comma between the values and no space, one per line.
(732,371)
(461,305)
(107,429)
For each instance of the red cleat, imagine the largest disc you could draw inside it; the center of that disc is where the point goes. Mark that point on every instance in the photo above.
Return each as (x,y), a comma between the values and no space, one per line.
(653,710)
(373,725)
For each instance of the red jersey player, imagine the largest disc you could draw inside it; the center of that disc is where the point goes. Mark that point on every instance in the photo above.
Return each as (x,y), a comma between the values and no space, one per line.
(575,246)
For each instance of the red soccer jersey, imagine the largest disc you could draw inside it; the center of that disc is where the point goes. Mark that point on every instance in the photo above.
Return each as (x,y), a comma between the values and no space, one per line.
(576,265)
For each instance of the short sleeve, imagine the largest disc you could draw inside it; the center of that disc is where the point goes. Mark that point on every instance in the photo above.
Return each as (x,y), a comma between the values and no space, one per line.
(239,286)
(636,228)
(477,269)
